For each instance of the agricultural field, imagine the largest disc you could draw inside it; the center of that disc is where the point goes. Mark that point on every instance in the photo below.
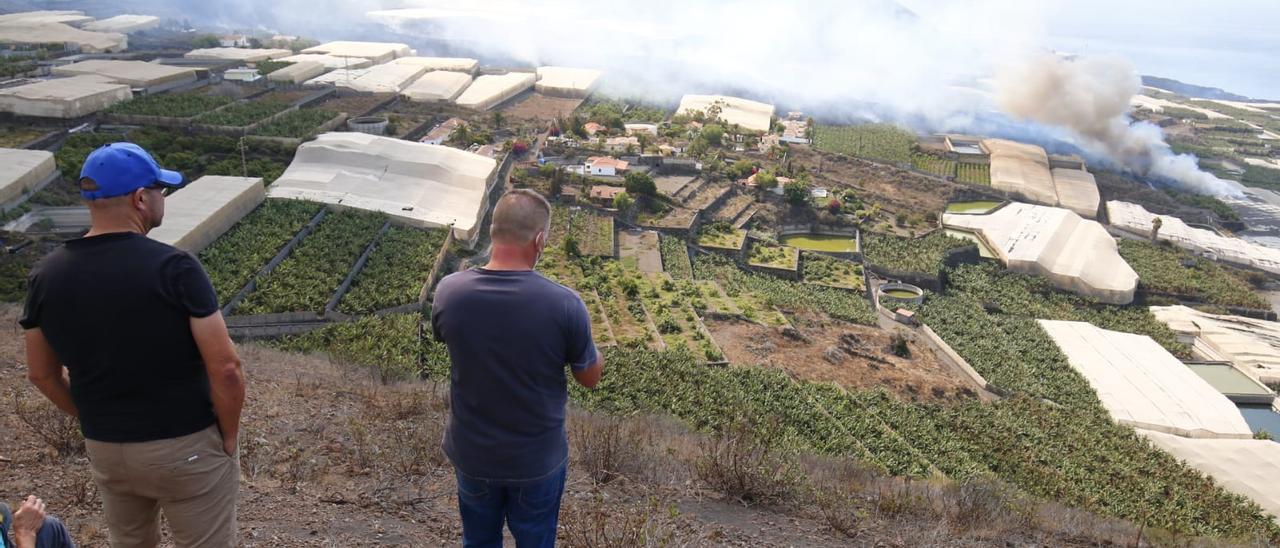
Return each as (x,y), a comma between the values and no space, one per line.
(908,254)
(675,258)
(396,270)
(772,255)
(669,302)
(392,344)
(235,258)
(269,66)
(242,114)
(721,236)
(936,165)
(15,137)
(772,291)
(824,270)
(974,174)
(1160,271)
(308,278)
(616,288)
(297,124)
(172,105)
(596,232)
(882,142)
(192,154)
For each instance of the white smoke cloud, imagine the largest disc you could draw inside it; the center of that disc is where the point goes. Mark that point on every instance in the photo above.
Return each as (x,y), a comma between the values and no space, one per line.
(1090,96)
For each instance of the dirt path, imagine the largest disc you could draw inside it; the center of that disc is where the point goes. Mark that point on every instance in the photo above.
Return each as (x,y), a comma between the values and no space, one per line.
(642,247)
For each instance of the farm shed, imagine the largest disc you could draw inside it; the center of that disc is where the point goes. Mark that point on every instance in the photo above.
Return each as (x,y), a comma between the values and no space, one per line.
(1022,170)
(418,184)
(454,64)
(490,90)
(1143,386)
(19,31)
(200,212)
(382,78)
(123,24)
(376,52)
(137,74)
(21,171)
(750,115)
(1246,467)
(1075,254)
(1135,220)
(246,55)
(1252,346)
(63,98)
(297,73)
(329,61)
(567,82)
(438,86)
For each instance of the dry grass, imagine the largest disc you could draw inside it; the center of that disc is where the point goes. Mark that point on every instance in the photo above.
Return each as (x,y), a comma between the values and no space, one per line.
(58,430)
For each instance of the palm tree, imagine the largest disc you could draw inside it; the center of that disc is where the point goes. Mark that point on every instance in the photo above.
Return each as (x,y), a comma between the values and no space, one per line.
(1156,223)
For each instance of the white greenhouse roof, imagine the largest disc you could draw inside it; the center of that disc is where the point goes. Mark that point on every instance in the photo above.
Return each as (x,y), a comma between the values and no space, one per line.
(336,76)
(751,115)
(438,86)
(247,55)
(297,73)
(63,97)
(490,90)
(1143,386)
(22,170)
(387,78)
(422,185)
(1253,346)
(134,73)
(378,52)
(1245,467)
(1136,220)
(1075,254)
(123,23)
(1077,191)
(329,61)
(567,82)
(455,64)
(41,17)
(1021,169)
(200,212)
(26,32)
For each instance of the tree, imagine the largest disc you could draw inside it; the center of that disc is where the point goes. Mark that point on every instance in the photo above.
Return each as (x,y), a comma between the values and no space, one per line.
(205,41)
(1156,223)
(498,118)
(520,146)
(834,206)
(255,43)
(766,180)
(796,193)
(571,247)
(623,202)
(713,133)
(740,169)
(640,184)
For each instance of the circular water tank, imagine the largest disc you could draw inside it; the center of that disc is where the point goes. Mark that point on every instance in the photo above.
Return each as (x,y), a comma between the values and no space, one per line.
(900,293)
(373,125)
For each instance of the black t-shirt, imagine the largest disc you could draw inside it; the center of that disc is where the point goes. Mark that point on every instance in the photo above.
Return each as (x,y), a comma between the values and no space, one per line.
(116,309)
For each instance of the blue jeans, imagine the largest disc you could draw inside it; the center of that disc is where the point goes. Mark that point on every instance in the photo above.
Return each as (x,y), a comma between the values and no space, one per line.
(531,510)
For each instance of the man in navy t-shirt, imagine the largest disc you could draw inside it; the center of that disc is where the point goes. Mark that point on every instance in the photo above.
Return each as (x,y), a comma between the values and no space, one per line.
(510,333)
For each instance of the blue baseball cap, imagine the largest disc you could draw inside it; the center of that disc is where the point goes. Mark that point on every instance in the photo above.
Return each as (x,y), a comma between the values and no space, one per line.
(116,169)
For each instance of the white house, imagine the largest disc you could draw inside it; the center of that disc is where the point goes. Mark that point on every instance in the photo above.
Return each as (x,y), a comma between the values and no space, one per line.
(633,129)
(440,134)
(621,144)
(819,193)
(234,41)
(604,165)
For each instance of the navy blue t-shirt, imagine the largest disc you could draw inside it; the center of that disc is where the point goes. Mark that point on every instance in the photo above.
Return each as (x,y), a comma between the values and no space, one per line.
(510,335)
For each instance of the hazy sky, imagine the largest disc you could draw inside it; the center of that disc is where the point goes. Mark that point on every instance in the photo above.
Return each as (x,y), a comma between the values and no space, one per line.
(1231,44)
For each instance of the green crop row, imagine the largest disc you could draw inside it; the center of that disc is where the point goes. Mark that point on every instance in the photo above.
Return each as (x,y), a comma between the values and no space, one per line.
(1160,269)
(909,254)
(233,259)
(675,258)
(174,105)
(929,163)
(884,142)
(297,124)
(784,294)
(395,271)
(974,174)
(308,278)
(242,114)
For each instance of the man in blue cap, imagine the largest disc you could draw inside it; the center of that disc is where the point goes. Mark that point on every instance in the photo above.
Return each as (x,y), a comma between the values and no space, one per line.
(151,372)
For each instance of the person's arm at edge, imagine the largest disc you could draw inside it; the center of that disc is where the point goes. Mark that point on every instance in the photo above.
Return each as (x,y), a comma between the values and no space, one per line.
(226,376)
(590,376)
(45,371)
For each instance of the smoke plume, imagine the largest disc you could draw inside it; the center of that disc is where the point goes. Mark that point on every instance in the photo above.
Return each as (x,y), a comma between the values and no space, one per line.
(1090,96)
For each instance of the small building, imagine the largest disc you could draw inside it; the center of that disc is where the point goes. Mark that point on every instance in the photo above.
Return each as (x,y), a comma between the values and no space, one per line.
(234,41)
(634,129)
(439,134)
(604,194)
(819,193)
(242,75)
(621,144)
(905,317)
(605,165)
(592,128)
(795,130)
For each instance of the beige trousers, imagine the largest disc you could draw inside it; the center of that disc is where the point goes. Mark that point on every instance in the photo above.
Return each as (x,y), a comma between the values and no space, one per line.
(191,478)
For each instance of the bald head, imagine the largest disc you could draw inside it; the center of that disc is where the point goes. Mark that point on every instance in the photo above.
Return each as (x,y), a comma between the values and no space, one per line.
(519,216)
